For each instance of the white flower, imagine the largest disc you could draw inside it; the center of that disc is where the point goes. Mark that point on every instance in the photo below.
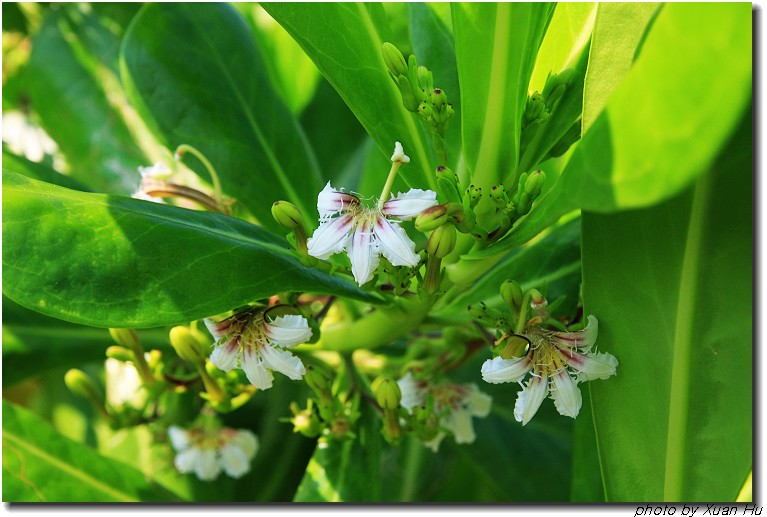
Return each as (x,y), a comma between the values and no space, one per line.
(158,171)
(206,451)
(365,233)
(399,154)
(457,403)
(153,178)
(557,362)
(259,346)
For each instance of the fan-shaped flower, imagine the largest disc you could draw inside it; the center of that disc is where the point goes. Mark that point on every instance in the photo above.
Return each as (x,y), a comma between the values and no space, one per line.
(207,451)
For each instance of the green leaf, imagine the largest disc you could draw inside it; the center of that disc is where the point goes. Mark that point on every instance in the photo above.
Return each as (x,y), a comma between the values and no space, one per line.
(672,288)
(74,106)
(220,100)
(39,464)
(39,171)
(346,47)
(618,31)
(496,46)
(348,470)
(663,125)
(119,262)
(34,344)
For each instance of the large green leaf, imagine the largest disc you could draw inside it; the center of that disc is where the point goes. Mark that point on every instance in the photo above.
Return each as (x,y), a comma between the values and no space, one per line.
(195,74)
(40,464)
(663,124)
(39,171)
(346,47)
(496,46)
(119,262)
(672,288)
(75,106)
(618,32)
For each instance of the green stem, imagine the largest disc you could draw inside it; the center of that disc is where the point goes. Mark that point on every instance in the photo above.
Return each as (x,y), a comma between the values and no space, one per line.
(217,192)
(523,313)
(141,365)
(389,182)
(215,392)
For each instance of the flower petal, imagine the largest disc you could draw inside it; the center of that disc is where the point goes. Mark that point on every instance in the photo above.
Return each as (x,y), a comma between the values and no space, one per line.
(581,339)
(255,370)
(224,356)
(284,362)
(217,329)
(566,395)
(187,459)
(288,331)
(331,201)
(433,444)
(330,237)
(363,253)
(179,438)
(478,403)
(498,369)
(207,467)
(246,441)
(409,204)
(591,366)
(395,244)
(531,397)
(459,423)
(234,460)
(412,396)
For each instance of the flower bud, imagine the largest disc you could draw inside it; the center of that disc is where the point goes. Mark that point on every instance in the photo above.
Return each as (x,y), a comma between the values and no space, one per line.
(514,346)
(119,353)
(438,99)
(186,345)
(394,60)
(317,379)
(475,194)
(534,183)
(441,241)
(511,292)
(556,85)
(537,300)
(498,194)
(431,218)
(387,392)
(83,386)
(408,98)
(425,80)
(305,421)
(287,214)
(425,110)
(125,337)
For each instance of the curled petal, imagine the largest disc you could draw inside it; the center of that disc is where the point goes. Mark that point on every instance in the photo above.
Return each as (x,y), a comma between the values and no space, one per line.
(330,237)
(531,397)
(591,366)
(459,423)
(566,394)
(433,444)
(187,459)
(288,331)
(284,362)
(246,441)
(409,204)
(478,403)
(331,201)
(224,356)
(207,467)
(582,339)
(363,253)
(179,438)
(255,370)
(395,244)
(412,396)
(218,329)
(234,460)
(498,369)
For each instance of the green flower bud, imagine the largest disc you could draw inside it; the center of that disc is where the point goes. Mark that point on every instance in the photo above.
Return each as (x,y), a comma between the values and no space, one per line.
(125,337)
(438,99)
(481,311)
(394,59)
(186,345)
(475,194)
(287,214)
(556,85)
(511,292)
(447,185)
(441,241)
(387,392)
(431,218)
(83,386)
(317,379)
(305,421)
(498,194)
(525,204)
(535,182)
(408,97)
(425,80)
(120,353)
(514,346)
(537,300)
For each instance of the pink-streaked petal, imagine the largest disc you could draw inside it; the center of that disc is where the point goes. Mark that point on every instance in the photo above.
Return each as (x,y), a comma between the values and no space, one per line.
(498,369)
(566,394)
(331,201)
(255,370)
(330,237)
(394,243)
(363,253)
(591,366)
(409,204)
(531,397)
(581,339)
(217,329)
(224,356)
(288,331)
(284,362)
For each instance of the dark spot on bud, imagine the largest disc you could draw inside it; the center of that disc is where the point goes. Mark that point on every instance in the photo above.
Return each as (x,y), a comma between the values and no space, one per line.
(437,91)
(495,188)
(440,168)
